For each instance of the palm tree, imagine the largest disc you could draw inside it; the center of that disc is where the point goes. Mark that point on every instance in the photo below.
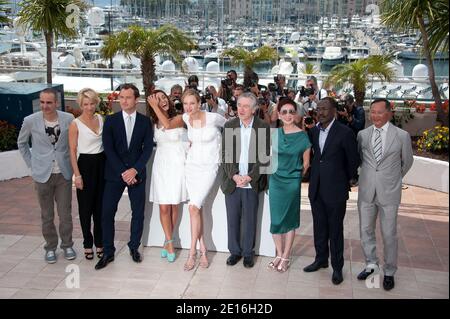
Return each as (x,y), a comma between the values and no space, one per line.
(309,68)
(249,59)
(145,44)
(357,74)
(3,18)
(50,18)
(431,18)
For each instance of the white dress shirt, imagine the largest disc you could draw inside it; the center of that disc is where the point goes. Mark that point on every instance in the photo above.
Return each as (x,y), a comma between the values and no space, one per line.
(133,121)
(323,134)
(246,132)
(383,133)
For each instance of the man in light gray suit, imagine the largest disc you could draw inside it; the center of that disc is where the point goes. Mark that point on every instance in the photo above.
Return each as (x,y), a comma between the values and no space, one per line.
(49,161)
(386,156)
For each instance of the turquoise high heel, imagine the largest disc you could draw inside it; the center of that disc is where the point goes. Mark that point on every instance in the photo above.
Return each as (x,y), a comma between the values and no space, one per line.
(171,257)
(165,253)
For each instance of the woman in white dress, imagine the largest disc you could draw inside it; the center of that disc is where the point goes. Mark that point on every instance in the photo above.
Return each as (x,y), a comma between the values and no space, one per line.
(201,168)
(168,185)
(88,162)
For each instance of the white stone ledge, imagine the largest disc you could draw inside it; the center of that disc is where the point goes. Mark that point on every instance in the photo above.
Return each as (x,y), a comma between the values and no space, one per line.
(12,165)
(428,173)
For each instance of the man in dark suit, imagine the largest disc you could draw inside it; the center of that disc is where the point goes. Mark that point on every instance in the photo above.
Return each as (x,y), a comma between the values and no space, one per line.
(128,144)
(334,165)
(245,160)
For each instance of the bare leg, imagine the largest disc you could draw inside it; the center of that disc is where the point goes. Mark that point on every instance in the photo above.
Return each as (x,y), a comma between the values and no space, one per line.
(203,259)
(289,241)
(278,240)
(166,222)
(194,214)
(285,261)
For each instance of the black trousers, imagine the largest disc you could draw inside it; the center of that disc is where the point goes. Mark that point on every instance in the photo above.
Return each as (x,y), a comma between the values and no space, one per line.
(328,221)
(112,195)
(92,167)
(242,204)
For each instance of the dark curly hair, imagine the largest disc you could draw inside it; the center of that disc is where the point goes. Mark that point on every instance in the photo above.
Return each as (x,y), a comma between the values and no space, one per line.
(172,112)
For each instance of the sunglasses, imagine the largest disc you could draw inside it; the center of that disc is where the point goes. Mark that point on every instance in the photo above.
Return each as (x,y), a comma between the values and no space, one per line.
(284,112)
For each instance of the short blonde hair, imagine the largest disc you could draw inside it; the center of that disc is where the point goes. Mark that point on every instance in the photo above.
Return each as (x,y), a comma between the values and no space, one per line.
(88,93)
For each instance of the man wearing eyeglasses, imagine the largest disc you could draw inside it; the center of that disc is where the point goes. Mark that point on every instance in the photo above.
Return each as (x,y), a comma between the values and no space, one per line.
(333,167)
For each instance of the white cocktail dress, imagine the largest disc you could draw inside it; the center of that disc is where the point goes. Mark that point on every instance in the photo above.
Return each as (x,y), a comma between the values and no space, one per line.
(203,157)
(168,182)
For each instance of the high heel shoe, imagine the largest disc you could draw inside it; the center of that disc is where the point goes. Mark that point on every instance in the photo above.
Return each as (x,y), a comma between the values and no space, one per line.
(190,262)
(283,265)
(204,263)
(274,263)
(164,251)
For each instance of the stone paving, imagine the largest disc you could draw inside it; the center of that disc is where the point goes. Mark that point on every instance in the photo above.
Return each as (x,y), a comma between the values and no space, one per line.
(423,258)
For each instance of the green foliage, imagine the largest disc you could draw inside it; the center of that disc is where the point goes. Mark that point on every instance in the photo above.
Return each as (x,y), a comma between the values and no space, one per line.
(357,74)
(8,136)
(146,44)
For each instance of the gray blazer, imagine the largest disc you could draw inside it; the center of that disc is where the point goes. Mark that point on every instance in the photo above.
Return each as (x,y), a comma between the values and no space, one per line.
(40,158)
(384,179)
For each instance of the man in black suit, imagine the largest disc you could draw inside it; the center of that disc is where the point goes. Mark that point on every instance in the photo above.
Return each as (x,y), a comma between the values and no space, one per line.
(334,166)
(128,144)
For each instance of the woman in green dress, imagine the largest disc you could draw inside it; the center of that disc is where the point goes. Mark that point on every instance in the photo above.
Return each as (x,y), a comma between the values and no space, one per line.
(291,155)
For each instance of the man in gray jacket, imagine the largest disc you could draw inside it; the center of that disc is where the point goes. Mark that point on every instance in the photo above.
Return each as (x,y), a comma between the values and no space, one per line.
(49,161)
(386,156)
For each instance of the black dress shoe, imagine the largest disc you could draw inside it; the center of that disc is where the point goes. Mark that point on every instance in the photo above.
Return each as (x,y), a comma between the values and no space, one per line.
(135,255)
(337,277)
(315,266)
(248,262)
(233,259)
(388,282)
(364,274)
(104,261)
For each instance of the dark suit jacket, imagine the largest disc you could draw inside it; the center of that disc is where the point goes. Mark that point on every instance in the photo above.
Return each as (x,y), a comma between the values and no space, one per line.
(332,170)
(119,157)
(232,153)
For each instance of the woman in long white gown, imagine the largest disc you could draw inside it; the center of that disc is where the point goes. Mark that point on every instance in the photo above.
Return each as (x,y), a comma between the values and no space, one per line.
(201,167)
(168,185)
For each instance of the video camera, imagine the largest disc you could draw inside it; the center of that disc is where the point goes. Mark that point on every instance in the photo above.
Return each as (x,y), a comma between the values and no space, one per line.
(178,105)
(232,102)
(341,106)
(206,96)
(309,117)
(306,91)
(227,82)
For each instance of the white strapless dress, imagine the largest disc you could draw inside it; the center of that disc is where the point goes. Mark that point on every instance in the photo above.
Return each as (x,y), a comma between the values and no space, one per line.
(168,182)
(203,157)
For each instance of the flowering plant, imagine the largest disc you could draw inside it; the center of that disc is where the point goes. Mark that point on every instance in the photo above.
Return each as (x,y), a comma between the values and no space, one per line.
(444,106)
(105,108)
(434,140)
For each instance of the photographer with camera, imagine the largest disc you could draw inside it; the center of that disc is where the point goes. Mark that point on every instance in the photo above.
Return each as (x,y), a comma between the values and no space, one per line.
(175,96)
(308,108)
(351,115)
(232,102)
(266,108)
(211,102)
(227,85)
(311,83)
(192,83)
(280,83)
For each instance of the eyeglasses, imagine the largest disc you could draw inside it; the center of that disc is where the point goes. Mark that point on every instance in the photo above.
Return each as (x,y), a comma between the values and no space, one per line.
(291,111)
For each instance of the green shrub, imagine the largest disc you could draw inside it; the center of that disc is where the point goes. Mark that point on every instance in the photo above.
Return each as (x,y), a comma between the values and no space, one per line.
(434,140)
(8,136)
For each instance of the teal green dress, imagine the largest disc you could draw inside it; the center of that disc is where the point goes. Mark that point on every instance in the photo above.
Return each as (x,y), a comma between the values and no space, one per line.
(285,182)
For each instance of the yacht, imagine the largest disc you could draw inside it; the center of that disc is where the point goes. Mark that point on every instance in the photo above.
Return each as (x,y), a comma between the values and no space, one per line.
(332,56)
